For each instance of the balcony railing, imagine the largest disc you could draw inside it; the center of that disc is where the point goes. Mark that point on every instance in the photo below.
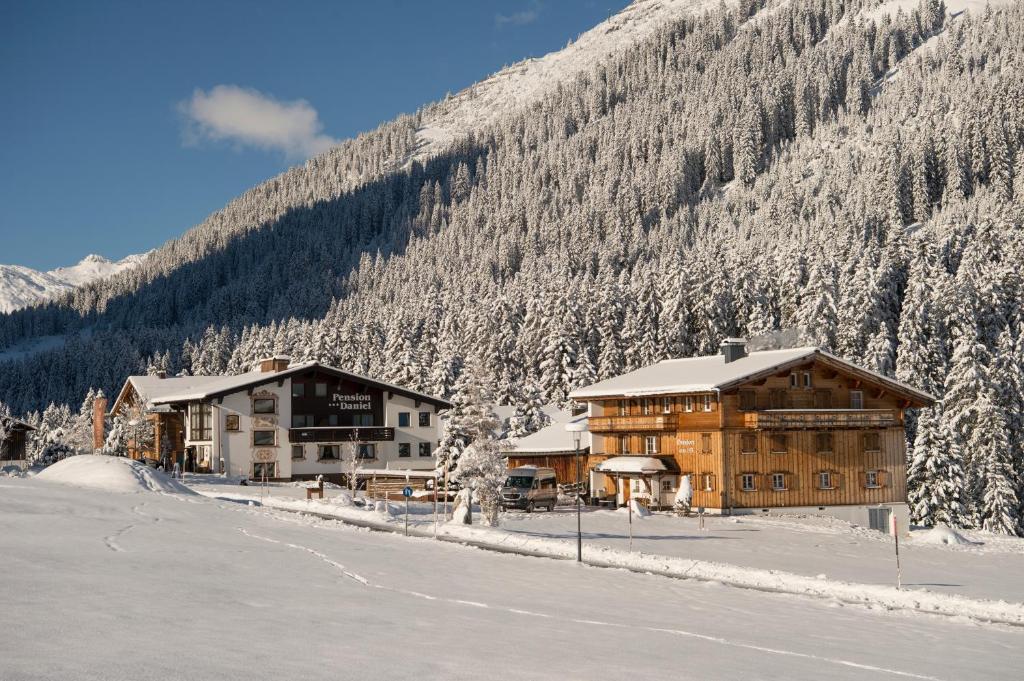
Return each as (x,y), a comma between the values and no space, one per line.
(615,424)
(341,434)
(821,418)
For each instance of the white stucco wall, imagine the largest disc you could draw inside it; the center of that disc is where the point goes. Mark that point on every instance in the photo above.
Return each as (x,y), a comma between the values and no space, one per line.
(235,451)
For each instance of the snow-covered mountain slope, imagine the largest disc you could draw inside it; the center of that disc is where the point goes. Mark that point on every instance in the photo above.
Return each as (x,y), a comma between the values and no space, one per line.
(518,86)
(24,286)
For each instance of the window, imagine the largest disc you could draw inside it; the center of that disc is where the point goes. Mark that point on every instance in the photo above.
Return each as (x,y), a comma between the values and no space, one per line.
(264,438)
(872,479)
(707,403)
(302,420)
(856,399)
(623,444)
(666,405)
(807,379)
(404,450)
(425,449)
(264,405)
(231,422)
(748,482)
(707,481)
(651,444)
(362,420)
(779,482)
(825,480)
(705,443)
(328,452)
(366,451)
(794,380)
(688,403)
(748,400)
(779,444)
(636,486)
(298,452)
(298,389)
(264,470)
(404,419)
(424,419)
(201,422)
(320,390)
(646,407)
(872,442)
(622,408)
(667,486)
(824,443)
(332,419)
(822,399)
(748,443)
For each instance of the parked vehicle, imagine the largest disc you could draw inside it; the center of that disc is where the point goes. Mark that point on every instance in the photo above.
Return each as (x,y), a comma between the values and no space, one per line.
(528,488)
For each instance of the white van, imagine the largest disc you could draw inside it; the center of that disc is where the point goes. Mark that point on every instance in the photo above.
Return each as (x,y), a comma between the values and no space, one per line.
(529,487)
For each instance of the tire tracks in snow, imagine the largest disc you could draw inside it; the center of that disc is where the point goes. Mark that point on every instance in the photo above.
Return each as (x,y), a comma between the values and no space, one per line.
(595,623)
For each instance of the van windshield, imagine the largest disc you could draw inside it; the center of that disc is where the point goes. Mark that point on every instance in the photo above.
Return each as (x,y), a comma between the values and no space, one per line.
(519,481)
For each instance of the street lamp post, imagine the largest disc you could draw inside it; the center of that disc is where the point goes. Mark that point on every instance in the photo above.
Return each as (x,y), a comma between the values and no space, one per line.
(576,429)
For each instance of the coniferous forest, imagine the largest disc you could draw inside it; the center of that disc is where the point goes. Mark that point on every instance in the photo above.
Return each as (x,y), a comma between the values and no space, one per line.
(810,165)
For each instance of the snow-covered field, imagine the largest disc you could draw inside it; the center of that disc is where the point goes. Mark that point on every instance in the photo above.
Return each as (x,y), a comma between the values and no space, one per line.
(155,585)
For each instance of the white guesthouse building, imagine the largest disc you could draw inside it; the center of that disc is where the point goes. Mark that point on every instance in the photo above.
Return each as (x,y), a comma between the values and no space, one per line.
(286,422)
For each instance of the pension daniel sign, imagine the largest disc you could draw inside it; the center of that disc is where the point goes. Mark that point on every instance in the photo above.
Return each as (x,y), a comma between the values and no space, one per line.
(352,401)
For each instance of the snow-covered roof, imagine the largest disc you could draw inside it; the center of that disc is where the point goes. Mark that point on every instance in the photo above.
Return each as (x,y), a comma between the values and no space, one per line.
(712,372)
(156,391)
(553,437)
(639,465)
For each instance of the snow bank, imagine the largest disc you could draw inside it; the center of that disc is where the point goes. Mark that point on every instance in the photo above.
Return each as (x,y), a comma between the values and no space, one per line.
(111,474)
(940,534)
(639,510)
(774,581)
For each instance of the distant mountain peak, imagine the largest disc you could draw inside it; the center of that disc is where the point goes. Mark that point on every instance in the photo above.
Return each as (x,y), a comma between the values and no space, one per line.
(23,286)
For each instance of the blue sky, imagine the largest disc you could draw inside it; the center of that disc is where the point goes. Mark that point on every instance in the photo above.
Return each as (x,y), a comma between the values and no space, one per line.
(125,123)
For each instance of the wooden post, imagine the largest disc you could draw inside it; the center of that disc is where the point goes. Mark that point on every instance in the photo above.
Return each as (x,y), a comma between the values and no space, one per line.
(629,504)
(435,504)
(896,536)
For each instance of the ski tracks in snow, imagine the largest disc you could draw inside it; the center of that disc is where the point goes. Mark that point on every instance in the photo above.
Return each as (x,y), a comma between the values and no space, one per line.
(594,623)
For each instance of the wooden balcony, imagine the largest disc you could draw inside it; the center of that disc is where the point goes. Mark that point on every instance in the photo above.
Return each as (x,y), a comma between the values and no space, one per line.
(630,424)
(821,419)
(341,434)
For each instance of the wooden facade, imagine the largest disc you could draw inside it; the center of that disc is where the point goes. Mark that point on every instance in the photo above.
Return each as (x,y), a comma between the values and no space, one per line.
(813,434)
(564,464)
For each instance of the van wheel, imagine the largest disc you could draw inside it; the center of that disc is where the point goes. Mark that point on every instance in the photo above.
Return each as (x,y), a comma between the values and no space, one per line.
(529,507)
(551,507)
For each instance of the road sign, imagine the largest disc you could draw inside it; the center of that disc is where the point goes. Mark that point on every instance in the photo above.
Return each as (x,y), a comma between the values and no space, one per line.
(407,491)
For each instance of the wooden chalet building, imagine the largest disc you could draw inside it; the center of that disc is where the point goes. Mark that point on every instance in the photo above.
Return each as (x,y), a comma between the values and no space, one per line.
(796,430)
(13,449)
(283,422)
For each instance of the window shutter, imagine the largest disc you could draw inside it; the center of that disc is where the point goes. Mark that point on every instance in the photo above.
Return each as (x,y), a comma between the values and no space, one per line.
(792,481)
(822,399)
(837,480)
(739,482)
(863,476)
(883,478)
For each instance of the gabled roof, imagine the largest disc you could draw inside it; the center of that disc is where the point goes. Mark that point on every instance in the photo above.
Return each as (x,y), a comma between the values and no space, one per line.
(552,438)
(159,391)
(16,423)
(713,374)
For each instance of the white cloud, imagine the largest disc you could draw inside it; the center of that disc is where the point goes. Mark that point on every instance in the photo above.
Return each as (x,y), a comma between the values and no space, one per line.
(248,117)
(527,16)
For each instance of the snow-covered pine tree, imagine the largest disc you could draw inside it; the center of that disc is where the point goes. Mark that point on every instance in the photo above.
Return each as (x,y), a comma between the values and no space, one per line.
(997,507)
(935,478)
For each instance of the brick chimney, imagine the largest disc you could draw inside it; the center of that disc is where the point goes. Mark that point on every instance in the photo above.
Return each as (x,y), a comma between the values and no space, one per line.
(99,420)
(734,349)
(274,364)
